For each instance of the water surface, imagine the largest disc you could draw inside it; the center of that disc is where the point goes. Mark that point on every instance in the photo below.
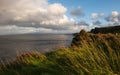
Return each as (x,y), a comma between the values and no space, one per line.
(11,45)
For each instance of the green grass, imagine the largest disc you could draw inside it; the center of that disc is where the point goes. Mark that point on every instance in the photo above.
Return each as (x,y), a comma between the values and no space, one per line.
(90,54)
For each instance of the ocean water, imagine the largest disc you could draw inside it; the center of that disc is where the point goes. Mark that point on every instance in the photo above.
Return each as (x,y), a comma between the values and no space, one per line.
(11,45)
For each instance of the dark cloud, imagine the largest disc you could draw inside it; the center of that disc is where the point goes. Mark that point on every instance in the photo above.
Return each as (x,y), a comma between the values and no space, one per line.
(98,23)
(38,25)
(116,23)
(77,12)
(82,23)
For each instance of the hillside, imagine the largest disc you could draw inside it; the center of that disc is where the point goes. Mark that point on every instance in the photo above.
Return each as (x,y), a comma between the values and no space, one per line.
(96,40)
(89,54)
(111,29)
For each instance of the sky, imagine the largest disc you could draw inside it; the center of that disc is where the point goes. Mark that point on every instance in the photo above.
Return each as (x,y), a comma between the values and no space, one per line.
(56,16)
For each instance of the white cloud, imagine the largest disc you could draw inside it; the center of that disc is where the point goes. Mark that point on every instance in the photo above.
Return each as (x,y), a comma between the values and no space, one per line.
(94,15)
(26,16)
(56,9)
(31,10)
(64,20)
(115,13)
(25,9)
(113,17)
(97,15)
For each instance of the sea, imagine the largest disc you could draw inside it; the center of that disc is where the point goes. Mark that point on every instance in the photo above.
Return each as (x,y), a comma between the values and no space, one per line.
(13,45)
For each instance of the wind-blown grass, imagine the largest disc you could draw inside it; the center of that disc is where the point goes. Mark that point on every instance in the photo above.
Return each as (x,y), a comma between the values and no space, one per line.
(90,54)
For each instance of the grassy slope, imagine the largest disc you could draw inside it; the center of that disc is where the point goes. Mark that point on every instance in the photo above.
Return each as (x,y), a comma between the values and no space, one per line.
(90,54)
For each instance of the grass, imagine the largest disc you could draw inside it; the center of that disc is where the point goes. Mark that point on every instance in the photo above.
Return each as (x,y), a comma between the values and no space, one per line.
(90,54)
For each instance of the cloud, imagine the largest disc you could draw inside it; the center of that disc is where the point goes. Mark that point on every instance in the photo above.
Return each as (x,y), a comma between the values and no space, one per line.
(116,23)
(80,23)
(28,16)
(77,12)
(97,15)
(113,17)
(34,15)
(56,9)
(32,10)
(15,29)
(8,29)
(98,23)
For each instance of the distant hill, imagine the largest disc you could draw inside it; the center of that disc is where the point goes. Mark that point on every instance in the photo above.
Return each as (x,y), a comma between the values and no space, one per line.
(111,29)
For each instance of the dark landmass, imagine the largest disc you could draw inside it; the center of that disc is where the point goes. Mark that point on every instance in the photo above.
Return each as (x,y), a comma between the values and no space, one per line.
(111,29)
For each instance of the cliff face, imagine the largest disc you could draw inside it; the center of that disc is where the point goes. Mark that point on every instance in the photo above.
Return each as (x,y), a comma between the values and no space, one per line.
(112,29)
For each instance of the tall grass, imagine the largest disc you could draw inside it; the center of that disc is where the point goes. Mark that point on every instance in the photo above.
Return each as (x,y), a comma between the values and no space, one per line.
(90,54)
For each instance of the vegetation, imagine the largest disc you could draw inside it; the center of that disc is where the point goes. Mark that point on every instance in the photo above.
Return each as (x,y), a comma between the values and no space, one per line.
(111,29)
(89,54)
